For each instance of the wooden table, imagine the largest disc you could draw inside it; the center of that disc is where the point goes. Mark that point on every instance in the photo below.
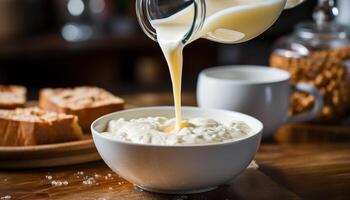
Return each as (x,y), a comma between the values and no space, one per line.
(287,171)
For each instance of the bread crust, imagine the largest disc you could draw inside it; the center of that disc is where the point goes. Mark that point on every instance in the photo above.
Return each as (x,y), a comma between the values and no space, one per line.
(102,102)
(12,96)
(19,129)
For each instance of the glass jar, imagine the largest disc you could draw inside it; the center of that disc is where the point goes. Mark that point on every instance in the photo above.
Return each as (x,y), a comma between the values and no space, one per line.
(318,54)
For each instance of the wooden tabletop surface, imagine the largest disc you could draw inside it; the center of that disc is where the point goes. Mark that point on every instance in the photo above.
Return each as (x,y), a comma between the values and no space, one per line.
(308,170)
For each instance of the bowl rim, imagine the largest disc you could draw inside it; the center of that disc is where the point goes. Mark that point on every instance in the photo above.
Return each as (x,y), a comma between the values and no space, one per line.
(256,133)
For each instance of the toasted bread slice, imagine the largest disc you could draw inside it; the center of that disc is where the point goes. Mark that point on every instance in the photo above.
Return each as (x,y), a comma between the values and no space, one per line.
(88,103)
(12,96)
(34,126)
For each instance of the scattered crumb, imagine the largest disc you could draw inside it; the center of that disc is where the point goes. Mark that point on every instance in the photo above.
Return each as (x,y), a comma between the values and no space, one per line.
(59,183)
(253,165)
(56,183)
(86,179)
(6,197)
(97,175)
(5,179)
(89,181)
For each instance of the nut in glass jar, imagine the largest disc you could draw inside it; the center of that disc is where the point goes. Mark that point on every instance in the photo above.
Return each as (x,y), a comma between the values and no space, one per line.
(325,69)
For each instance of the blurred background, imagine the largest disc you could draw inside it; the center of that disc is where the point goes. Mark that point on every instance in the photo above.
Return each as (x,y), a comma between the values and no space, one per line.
(61,43)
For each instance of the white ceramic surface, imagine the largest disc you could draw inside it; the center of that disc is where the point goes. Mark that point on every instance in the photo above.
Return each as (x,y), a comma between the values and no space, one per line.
(178,169)
(259,91)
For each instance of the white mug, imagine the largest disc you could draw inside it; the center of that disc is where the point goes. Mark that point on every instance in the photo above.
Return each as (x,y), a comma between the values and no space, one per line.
(260,91)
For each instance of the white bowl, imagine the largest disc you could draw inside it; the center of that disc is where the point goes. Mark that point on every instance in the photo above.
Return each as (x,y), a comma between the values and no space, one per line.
(178,169)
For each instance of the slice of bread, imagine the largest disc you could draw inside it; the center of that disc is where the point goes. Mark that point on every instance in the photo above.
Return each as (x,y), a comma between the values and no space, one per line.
(88,103)
(12,96)
(34,126)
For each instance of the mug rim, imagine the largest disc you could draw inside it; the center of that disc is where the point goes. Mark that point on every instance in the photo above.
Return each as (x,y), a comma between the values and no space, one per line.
(284,75)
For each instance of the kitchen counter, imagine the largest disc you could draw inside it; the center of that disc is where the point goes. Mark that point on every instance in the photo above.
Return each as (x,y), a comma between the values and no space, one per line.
(307,170)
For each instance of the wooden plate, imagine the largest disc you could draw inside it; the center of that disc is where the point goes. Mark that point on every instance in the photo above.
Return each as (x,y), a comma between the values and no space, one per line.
(49,155)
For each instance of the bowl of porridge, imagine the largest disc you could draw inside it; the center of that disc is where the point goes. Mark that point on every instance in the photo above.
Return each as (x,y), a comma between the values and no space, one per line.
(144,147)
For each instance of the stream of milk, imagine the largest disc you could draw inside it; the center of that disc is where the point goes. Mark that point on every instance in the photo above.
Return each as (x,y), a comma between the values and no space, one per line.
(227,21)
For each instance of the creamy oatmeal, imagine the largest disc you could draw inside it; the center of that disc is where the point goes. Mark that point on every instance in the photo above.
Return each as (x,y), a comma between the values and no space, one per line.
(161,131)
